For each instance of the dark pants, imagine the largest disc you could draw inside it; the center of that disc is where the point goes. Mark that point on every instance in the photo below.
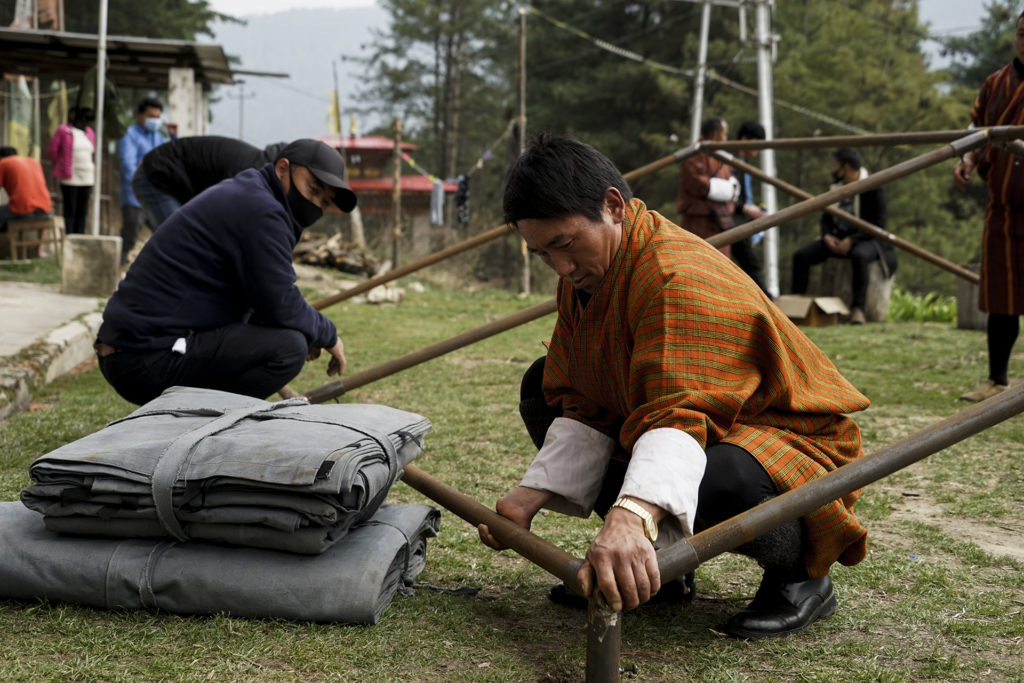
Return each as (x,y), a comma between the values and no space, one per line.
(861,255)
(745,256)
(1002,332)
(76,207)
(242,359)
(734,481)
(131,222)
(6,216)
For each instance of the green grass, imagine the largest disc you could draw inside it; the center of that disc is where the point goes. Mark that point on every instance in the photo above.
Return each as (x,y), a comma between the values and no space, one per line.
(934,600)
(43,271)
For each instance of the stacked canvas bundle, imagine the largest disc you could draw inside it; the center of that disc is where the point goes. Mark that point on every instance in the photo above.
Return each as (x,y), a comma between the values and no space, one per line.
(194,469)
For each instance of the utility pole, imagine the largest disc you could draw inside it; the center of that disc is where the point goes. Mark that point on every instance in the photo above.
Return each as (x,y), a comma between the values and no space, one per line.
(242,96)
(765,110)
(524,287)
(101,85)
(702,72)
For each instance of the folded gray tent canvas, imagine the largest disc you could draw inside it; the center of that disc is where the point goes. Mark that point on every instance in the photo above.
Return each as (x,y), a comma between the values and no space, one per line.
(352,582)
(198,464)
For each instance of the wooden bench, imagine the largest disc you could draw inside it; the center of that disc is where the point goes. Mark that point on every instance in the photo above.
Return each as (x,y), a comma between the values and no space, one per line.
(26,235)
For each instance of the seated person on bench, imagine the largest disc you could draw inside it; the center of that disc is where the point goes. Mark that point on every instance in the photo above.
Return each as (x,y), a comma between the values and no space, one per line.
(839,239)
(23,180)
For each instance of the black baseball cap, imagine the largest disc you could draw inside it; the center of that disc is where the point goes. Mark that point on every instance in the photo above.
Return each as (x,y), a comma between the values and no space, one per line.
(325,164)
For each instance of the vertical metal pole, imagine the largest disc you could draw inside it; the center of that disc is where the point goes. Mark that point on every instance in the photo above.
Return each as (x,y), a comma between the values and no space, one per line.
(702,69)
(101,85)
(604,641)
(765,97)
(396,193)
(524,285)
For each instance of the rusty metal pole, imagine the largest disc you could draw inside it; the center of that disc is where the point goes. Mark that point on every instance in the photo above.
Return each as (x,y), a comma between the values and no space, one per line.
(545,555)
(482,238)
(340,386)
(859,223)
(954,149)
(684,556)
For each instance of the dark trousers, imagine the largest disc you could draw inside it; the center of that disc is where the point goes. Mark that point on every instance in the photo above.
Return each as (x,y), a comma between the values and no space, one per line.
(75,207)
(131,222)
(734,481)
(243,359)
(1002,332)
(745,256)
(860,255)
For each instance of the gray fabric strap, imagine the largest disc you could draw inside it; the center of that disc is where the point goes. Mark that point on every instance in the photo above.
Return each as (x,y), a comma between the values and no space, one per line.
(175,457)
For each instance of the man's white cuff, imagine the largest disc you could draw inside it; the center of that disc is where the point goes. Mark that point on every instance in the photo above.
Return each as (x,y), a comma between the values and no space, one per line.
(665,470)
(571,464)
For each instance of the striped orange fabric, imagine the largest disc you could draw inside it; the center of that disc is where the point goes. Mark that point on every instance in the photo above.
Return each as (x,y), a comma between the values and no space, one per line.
(678,336)
(1001,103)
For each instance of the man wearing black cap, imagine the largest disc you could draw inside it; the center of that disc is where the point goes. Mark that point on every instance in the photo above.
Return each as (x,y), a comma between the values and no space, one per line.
(839,239)
(211,300)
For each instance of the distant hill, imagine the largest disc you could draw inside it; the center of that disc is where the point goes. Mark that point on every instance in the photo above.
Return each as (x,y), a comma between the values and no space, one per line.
(301,43)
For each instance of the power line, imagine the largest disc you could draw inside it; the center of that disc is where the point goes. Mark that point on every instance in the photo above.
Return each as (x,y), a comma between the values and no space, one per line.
(633,56)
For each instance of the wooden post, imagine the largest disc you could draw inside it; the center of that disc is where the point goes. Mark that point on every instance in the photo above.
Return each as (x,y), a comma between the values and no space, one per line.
(396,193)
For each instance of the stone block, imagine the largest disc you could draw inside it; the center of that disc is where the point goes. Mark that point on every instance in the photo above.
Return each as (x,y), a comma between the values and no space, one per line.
(92,265)
(837,280)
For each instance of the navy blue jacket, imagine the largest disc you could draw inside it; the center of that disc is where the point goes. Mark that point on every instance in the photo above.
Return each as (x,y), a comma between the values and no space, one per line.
(225,257)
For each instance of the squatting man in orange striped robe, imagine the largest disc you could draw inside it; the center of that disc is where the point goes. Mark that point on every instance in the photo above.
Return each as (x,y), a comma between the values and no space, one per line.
(1000,103)
(674,395)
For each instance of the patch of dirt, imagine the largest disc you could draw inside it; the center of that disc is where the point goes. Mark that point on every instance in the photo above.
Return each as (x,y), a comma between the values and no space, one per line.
(995,539)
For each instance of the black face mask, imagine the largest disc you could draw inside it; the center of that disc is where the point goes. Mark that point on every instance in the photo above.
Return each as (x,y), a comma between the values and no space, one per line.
(306,212)
(836,177)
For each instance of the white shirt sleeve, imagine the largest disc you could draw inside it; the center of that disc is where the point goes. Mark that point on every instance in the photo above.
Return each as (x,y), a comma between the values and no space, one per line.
(665,469)
(571,464)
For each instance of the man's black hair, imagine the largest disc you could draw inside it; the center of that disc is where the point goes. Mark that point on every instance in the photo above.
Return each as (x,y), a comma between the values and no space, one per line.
(559,176)
(711,126)
(751,130)
(8,152)
(148,102)
(848,156)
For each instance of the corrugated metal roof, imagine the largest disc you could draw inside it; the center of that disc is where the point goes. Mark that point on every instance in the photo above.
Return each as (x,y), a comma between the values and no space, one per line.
(133,62)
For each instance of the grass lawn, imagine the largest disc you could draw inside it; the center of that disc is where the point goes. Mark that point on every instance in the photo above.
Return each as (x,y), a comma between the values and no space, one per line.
(940,596)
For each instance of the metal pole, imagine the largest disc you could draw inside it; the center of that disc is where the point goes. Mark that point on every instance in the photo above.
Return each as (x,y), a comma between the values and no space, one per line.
(702,70)
(765,97)
(859,223)
(954,149)
(524,253)
(549,557)
(101,76)
(340,386)
(480,239)
(833,141)
(684,556)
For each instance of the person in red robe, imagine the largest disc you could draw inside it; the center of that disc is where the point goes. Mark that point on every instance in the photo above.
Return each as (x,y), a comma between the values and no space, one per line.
(1000,103)
(674,395)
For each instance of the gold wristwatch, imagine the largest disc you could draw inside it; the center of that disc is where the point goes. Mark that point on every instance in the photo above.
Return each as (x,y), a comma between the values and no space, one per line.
(650,526)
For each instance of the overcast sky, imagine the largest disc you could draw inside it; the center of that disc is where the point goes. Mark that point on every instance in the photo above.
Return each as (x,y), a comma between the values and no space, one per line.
(945,15)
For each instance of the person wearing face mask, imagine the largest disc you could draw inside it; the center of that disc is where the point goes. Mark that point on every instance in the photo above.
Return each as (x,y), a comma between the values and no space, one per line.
(142,137)
(211,300)
(839,239)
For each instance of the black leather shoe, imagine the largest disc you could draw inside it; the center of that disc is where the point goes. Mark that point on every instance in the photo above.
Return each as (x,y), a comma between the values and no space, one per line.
(781,609)
(681,592)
